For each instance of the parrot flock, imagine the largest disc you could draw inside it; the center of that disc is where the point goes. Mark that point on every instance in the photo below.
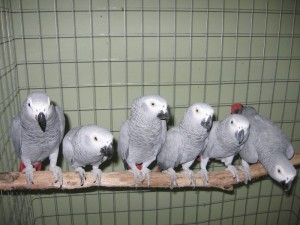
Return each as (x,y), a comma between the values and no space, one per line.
(38,131)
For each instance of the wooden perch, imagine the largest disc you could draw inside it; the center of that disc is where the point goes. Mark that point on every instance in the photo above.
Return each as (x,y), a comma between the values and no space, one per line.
(123,180)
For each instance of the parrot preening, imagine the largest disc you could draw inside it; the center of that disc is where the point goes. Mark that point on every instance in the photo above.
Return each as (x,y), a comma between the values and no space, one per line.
(88,145)
(224,141)
(36,134)
(185,142)
(143,134)
(267,144)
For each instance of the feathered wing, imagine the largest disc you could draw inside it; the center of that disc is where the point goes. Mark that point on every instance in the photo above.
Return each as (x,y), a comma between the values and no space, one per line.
(172,150)
(61,118)
(15,134)
(123,144)
(68,149)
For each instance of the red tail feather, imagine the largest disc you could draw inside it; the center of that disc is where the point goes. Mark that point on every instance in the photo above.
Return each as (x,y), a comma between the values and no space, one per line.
(37,166)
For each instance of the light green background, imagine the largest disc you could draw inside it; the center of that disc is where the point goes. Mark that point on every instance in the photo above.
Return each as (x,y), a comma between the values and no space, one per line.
(94,57)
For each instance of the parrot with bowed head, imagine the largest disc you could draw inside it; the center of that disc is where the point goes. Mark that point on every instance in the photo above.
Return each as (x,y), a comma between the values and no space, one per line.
(185,141)
(36,134)
(268,145)
(143,134)
(88,145)
(225,140)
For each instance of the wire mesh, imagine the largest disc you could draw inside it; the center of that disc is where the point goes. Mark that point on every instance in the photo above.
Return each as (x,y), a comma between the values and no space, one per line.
(94,57)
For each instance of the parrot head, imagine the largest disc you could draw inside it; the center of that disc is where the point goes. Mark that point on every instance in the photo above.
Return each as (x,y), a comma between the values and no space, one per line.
(98,140)
(153,106)
(239,126)
(38,106)
(201,113)
(283,172)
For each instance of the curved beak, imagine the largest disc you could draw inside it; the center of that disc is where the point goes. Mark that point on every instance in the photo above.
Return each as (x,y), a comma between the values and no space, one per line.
(163,115)
(207,124)
(286,185)
(107,151)
(239,135)
(41,118)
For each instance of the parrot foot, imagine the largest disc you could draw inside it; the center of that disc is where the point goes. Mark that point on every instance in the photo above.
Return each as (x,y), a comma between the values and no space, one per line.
(29,175)
(191,177)
(57,174)
(234,172)
(136,175)
(173,177)
(246,170)
(146,174)
(97,175)
(82,175)
(204,176)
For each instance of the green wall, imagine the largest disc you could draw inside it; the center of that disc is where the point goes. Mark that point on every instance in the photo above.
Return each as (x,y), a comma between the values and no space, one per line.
(94,57)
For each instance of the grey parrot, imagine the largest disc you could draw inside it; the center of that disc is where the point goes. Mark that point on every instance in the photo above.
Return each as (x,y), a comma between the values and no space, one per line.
(36,134)
(185,141)
(88,145)
(143,134)
(268,145)
(225,140)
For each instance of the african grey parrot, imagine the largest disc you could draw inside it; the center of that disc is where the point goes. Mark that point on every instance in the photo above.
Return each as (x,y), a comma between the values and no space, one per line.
(88,145)
(36,134)
(185,141)
(225,140)
(268,145)
(143,134)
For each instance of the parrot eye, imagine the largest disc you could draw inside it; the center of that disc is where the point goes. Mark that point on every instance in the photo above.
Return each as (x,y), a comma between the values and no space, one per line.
(28,104)
(279,171)
(197,110)
(95,138)
(231,121)
(152,103)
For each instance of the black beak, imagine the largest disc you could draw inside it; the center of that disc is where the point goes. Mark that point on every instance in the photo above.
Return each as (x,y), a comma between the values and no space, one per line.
(207,123)
(240,136)
(107,151)
(41,118)
(286,185)
(163,116)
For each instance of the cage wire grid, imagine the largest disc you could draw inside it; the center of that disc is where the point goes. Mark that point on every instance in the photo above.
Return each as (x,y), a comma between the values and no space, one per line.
(94,57)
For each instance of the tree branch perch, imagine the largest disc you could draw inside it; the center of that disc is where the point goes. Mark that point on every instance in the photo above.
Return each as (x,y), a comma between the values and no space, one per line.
(44,180)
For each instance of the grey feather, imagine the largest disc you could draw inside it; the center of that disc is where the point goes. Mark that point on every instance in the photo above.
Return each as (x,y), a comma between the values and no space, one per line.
(225,140)
(269,145)
(185,141)
(87,145)
(33,143)
(142,136)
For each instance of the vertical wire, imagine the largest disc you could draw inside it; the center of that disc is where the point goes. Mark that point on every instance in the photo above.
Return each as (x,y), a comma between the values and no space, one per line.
(248,79)
(126,93)
(260,91)
(205,82)
(297,101)
(110,93)
(274,82)
(76,63)
(93,61)
(191,50)
(206,51)
(221,60)
(234,81)
(174,90)
(25,51)
(220,84)
(41,43)
(77,93)
(58,53)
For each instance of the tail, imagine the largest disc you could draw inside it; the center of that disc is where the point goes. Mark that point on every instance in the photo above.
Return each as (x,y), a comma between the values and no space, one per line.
(37,166)
(235,107)
(127,167)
